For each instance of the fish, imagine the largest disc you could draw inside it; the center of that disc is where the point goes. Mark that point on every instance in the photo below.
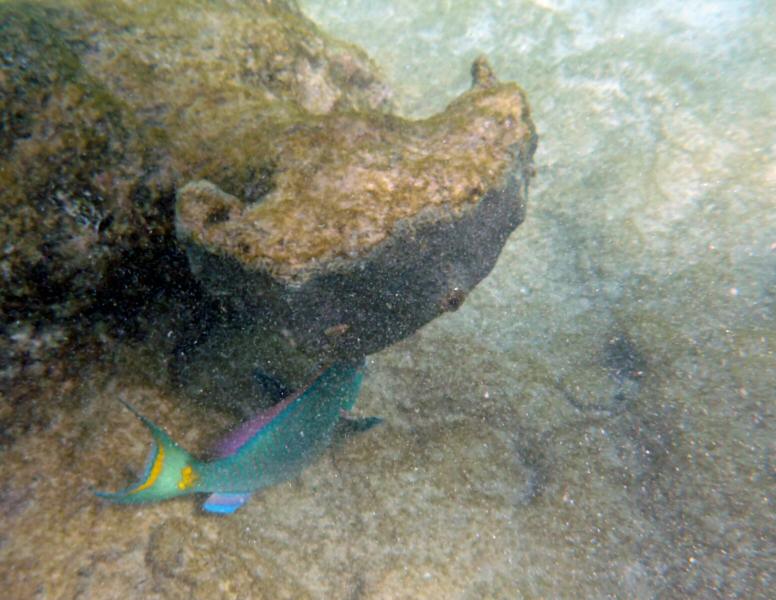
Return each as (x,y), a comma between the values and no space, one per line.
(273,446)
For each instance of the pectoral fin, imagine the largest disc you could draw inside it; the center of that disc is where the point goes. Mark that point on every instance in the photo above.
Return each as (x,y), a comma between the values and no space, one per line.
(225,504)
(349,424)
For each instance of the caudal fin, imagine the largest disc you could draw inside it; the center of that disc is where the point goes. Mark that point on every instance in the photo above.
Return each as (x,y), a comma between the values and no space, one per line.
(170,471)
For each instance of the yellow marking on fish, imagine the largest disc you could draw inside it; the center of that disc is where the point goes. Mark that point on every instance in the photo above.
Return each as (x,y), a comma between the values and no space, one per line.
(155,470)
(188,478)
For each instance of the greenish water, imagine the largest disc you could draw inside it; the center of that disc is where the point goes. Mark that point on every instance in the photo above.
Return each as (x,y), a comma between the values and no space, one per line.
(627,333)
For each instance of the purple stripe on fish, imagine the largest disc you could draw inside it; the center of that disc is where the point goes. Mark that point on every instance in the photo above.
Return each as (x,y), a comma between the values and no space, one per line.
(239,436)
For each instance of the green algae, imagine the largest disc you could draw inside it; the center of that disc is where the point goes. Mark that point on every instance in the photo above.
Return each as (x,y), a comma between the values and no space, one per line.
(73,159)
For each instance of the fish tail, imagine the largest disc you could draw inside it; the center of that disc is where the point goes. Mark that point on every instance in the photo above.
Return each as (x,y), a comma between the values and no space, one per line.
(170,471)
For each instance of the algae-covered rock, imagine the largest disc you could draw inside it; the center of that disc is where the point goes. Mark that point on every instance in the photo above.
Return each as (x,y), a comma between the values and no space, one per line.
(327,226)
(216,80)
(371,226)
(106,107)
(74,185)
(80,196)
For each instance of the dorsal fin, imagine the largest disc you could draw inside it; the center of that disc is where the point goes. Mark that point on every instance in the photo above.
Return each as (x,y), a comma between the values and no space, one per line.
(241,434)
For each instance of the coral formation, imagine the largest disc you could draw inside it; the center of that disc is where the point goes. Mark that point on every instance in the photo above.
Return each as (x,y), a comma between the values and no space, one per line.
(370,226)
(106,107)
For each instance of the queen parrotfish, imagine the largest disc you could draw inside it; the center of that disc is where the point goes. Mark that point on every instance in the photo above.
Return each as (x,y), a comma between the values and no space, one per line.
(273,446)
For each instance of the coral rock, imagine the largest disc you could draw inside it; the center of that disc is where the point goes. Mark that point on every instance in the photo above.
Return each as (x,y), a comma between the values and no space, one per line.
(369,226)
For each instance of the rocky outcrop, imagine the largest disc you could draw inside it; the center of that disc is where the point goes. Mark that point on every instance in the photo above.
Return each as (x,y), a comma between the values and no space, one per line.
(323,226)
(105,112)
(370,226)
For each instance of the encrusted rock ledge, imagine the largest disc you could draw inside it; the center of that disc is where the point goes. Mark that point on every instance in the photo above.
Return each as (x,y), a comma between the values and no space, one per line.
(371,226)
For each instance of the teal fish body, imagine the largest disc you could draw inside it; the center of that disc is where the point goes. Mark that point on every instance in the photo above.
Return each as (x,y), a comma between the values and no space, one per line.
(291,440)
(270,448)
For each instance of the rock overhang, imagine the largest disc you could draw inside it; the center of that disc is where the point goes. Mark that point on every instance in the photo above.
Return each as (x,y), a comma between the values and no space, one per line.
(369,226)
(339,186)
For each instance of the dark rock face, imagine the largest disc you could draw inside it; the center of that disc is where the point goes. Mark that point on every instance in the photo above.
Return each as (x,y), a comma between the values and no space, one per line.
(71,174)
(372,227)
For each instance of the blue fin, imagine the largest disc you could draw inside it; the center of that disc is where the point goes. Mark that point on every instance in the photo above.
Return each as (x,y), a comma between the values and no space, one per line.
(224,503)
